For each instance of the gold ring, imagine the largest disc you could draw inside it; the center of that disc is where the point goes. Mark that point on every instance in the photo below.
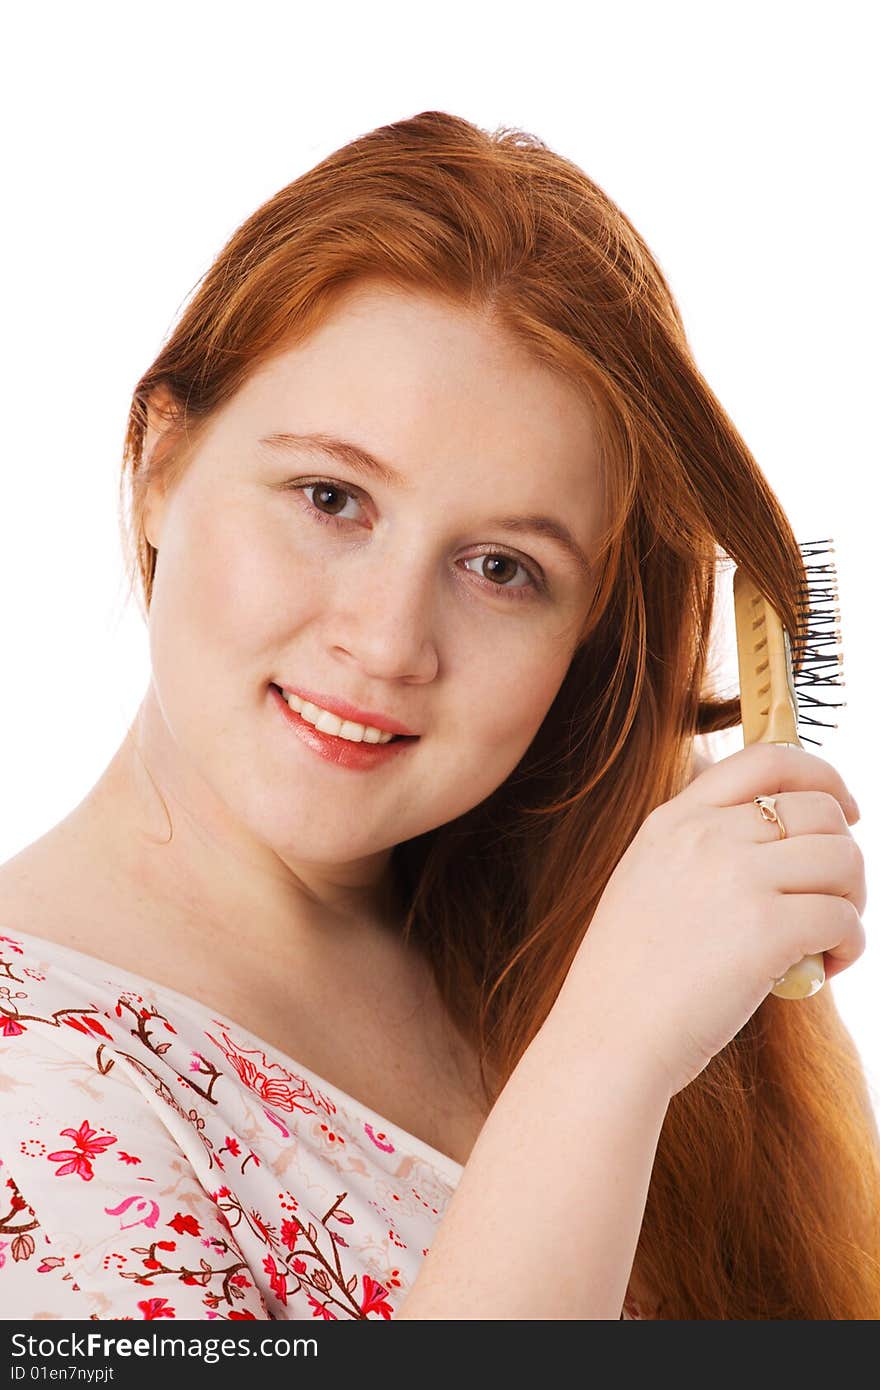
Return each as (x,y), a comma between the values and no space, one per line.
(767,806)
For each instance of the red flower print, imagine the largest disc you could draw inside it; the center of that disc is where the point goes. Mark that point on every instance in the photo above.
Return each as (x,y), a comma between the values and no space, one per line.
(14,944)
(320,1310)
(374,1298)
(299,1265)
(127,1158)
(23,1247)
(145,1205)
(9,1028)
(75,1023)
(277,1279)
(262,1226)
(239,1317)
(290,1229)
(379,1139)
(79,1160)
(232,1146)
(185,1225)
(278,1123)
(283,1088)
(157,1308)
(97,1027)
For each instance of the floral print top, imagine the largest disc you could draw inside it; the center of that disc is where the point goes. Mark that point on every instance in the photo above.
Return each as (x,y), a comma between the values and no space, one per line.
(158,1161)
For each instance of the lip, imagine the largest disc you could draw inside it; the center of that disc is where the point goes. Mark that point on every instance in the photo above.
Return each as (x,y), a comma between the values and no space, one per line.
(341,751)
(344,710)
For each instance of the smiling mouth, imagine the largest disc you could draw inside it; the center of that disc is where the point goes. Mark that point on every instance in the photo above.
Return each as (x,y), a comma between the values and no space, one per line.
(395,738)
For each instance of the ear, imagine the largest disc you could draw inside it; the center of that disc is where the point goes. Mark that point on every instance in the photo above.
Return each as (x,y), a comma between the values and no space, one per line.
(161,417)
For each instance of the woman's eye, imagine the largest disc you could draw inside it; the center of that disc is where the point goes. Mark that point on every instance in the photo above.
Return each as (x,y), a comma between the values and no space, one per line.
(503,569)
(324,490)
(497,571)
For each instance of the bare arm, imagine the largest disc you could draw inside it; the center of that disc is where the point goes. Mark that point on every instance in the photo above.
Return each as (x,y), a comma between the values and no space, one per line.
(546,1218)
(545,1221)
(699,762)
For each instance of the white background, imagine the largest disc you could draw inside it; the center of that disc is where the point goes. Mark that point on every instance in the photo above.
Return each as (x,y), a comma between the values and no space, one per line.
(740,139)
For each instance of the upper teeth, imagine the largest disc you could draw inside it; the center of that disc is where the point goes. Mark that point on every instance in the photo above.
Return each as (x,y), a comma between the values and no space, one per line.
(327,723)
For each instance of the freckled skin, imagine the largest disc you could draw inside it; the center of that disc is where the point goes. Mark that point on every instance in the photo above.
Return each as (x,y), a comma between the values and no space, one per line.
(271,902)
(383,610)
(396,609)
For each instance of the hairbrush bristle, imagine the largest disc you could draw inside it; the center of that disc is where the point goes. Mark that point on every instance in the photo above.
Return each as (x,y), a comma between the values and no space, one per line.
(813,665)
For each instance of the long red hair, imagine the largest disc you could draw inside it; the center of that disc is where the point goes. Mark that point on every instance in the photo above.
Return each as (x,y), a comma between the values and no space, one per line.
(765,1195)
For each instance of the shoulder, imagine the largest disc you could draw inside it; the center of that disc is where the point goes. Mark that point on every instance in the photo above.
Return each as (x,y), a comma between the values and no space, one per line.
(49,1010)
(105,1156)
(49,892)
(35,892)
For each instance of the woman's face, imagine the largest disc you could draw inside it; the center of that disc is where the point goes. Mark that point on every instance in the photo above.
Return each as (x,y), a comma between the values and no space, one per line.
(425,597)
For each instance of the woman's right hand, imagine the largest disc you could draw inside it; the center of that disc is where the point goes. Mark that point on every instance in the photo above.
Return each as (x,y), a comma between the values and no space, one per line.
(708,908)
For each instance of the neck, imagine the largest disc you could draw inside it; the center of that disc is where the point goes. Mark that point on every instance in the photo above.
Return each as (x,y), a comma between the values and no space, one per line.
(187,863)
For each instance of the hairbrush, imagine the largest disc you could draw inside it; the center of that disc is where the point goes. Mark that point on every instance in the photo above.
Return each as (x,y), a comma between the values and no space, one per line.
(778,676)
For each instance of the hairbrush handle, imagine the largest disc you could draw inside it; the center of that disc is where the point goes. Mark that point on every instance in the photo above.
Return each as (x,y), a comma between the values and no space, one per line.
(769,715)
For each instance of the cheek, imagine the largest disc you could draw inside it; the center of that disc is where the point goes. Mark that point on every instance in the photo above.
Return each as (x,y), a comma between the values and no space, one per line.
(506,706)
(500,713)
(223,593)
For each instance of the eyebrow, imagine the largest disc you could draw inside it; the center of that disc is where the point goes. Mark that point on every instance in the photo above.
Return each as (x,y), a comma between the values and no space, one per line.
(368,466)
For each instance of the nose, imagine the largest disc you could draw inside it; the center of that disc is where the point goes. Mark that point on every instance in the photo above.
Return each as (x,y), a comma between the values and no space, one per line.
(382,616)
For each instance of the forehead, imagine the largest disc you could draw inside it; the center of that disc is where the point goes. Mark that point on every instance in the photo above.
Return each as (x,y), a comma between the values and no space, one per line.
(429,384)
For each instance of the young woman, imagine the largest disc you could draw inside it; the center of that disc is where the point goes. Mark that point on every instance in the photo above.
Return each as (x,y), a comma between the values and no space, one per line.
(400,920)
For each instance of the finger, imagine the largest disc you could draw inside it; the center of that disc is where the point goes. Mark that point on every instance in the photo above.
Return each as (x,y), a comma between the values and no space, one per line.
(801,813)
(820,925)
(830,864)
(766,769)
